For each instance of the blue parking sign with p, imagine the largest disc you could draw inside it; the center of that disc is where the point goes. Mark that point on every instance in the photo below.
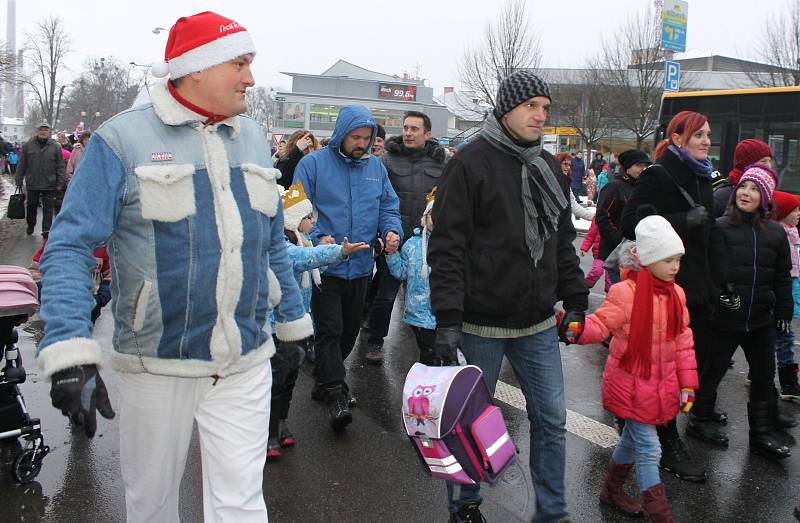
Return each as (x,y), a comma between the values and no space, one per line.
(672,75)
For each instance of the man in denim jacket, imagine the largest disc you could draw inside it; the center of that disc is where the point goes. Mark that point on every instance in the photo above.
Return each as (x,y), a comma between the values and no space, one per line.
(182,192)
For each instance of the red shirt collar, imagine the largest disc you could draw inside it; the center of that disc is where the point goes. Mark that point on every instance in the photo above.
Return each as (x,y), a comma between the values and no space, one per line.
(211,118)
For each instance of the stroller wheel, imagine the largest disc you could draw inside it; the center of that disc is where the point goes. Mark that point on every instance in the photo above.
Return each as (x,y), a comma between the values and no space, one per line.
(26,467)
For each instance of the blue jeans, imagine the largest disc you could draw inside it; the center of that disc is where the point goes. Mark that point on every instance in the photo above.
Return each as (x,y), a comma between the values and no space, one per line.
(380,314)
(784,348)
(536,361)
(639,444)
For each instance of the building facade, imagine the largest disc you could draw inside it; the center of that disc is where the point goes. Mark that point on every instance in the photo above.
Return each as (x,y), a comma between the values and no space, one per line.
(315,100)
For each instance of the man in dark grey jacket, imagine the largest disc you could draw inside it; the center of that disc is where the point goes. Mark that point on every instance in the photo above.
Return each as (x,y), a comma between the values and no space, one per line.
(42,166)
(414,162)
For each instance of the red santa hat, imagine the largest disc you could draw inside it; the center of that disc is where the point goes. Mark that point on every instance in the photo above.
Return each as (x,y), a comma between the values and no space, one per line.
(201,41)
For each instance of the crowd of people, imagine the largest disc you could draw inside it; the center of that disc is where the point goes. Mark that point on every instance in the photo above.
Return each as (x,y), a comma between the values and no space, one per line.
(228,273)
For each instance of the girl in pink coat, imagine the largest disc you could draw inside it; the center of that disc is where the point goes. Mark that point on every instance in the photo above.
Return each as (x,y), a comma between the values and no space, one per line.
(651,371)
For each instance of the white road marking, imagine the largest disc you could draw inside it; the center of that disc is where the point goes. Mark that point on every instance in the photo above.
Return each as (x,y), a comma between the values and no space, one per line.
(578,424)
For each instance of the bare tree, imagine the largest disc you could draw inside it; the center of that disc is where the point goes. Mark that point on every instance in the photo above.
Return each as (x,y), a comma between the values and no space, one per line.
(779,47)
(45,48)
(260,106)
(509,43)
(584,103)
(104,88)
(630,65)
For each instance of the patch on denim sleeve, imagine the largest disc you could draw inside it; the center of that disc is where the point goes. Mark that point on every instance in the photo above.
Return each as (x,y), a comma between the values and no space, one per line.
(161,157)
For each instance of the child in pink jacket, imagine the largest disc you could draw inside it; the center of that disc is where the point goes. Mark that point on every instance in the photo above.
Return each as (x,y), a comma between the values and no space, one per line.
(592,241)
(651,371)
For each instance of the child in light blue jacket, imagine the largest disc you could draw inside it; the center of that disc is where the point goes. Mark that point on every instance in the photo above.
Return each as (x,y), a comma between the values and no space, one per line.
(307,261)
(411,266)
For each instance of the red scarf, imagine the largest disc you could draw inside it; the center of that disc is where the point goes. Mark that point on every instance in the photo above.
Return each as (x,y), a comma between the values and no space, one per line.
(637,359)
(211,118)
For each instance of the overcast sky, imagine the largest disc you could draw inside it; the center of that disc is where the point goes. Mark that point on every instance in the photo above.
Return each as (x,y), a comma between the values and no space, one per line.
(389,37)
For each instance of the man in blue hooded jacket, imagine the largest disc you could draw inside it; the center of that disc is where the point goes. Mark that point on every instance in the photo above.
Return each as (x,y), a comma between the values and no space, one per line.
(352,195)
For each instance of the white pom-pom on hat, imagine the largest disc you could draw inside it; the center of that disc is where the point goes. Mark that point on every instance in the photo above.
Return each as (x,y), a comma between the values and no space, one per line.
(159,69)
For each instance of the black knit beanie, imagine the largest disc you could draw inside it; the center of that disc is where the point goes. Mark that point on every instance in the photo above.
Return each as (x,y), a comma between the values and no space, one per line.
(516,89)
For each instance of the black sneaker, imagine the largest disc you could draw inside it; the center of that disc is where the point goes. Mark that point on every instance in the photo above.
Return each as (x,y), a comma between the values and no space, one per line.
(339,408)
(469,513)
(374,353)
(676,460)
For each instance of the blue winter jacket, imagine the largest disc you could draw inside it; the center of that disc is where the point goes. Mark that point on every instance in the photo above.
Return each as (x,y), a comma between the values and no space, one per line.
(306,258)
(352,198)
(577,173)
(192,218)
(407,267)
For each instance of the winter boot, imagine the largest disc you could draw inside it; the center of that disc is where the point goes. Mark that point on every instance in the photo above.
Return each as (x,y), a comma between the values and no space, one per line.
(790,389)
(273,447)
(780,420)
(470,513)
(339,408)
(613,493)
(374,353)
(762,438)
(655,505)
(702,424)
(285,436)
(676,460)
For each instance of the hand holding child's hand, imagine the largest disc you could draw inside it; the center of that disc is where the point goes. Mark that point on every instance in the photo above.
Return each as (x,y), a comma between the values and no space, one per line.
(349,248)
(583,253)
(392,242)
(687,399)
(327,240)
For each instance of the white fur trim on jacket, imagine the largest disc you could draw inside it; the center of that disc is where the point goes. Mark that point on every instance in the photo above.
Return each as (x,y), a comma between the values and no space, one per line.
(213,53)
(298,329)
(172,112)
(68,353)
(133,364)
(275,295)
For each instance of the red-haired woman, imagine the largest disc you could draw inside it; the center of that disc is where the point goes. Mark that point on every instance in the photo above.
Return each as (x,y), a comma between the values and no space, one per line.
(682,172)
(578,210)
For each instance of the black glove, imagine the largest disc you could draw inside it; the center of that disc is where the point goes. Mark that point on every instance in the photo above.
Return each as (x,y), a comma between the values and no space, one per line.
(77,392)
(783,326)
(730,300)
(445,350)
(697,217)
(570,317)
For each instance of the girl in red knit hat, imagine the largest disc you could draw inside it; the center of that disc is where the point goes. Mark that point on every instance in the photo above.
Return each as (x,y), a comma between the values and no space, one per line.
(787,209)
(747,152)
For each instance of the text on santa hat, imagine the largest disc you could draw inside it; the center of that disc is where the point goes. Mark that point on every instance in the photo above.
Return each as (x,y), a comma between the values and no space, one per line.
(232,25)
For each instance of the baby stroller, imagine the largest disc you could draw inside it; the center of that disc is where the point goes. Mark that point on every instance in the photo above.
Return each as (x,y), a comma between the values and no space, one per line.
(18,299)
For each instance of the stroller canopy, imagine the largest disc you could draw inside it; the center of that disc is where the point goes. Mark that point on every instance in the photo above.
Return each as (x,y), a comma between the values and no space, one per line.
(18,291)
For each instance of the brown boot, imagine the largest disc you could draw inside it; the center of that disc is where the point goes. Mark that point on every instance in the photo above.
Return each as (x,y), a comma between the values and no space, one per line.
(654,503)
(613,494)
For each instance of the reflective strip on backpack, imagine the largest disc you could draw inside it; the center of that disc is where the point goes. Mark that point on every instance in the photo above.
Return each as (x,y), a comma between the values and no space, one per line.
(497,444)
(443,462)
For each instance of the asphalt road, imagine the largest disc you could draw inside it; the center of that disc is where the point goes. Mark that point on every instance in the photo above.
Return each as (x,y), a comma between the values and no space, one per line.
(371,473)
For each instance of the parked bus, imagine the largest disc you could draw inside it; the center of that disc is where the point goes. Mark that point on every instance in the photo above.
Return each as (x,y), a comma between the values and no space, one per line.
(770,114)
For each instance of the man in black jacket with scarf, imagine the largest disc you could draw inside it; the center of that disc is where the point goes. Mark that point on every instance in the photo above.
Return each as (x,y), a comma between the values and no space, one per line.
(501,256)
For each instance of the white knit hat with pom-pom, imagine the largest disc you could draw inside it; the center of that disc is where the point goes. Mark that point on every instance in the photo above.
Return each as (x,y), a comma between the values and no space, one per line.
(201,41)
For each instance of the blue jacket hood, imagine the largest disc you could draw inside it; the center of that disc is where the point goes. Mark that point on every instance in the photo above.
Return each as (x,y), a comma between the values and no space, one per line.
(350,118)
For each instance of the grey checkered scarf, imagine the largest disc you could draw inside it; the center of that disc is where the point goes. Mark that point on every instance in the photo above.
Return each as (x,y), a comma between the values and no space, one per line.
(538,228)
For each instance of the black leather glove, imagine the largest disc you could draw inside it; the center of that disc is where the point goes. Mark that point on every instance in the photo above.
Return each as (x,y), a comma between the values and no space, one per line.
(730,300)
(78,392)
(697,217)
(446,346)
(783,326)
(570,317)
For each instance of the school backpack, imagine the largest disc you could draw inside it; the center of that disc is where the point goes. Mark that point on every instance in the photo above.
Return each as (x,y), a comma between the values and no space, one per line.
(458,433)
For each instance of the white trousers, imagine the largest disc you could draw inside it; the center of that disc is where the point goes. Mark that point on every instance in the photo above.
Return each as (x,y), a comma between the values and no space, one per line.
(156,417)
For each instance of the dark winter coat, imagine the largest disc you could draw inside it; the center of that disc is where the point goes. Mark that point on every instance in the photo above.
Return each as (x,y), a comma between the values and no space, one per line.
(756,261)
(722,197)
(481,269)
(657,188)
(597,165)
(413,173)
(42,166)
(286,166)
(612,201)
(577,173)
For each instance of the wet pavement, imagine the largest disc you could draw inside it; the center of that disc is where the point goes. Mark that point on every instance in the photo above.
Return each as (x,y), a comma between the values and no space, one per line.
(371,473)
